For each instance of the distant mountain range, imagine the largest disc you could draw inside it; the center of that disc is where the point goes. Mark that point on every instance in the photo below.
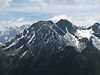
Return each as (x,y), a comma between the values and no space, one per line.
(10,32)
(47,48)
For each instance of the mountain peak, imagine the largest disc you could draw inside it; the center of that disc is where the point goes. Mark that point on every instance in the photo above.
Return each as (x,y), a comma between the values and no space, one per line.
(64,21)
(41,23)
(45,22)
(96,23)
(96,28)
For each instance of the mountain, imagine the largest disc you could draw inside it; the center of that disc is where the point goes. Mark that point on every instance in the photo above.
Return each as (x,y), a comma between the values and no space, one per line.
(63,24)
(10,32)
(47,48)
(96,29)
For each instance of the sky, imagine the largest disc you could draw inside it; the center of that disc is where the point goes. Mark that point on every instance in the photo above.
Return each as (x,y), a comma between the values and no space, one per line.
(79,12)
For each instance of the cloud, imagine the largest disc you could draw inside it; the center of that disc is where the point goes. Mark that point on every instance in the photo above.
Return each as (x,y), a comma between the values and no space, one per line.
(18,24)
(41,2)
(60,1)
(87,22)
(15,22)
(79,12)
(2,25)
(19,21)
(63,1)
(47,2)
(4,3)
(57,18)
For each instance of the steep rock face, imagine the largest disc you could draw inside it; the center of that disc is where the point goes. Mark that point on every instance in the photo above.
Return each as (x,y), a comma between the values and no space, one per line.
(46,48)
(96,35)
(96,29)
(63,24)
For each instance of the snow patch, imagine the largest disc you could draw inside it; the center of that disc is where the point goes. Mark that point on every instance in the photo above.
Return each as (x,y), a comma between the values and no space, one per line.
(23,54)
(71,40)
(84,33)
(32,37)
(1,44)
(14,43)
(96,42)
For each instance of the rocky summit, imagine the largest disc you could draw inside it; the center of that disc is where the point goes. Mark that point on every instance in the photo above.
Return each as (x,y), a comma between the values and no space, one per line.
(47,48)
